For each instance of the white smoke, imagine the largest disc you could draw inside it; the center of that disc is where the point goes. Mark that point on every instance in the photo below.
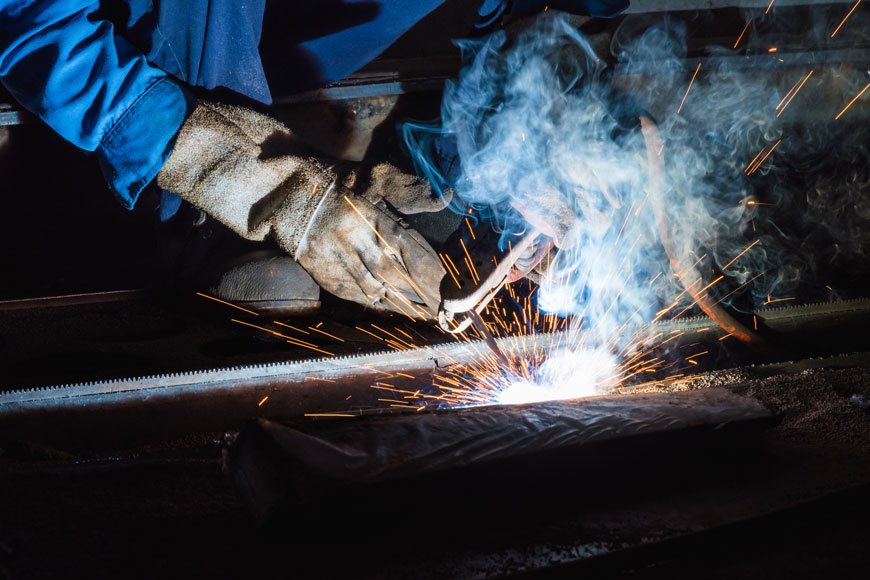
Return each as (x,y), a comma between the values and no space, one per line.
(538,119)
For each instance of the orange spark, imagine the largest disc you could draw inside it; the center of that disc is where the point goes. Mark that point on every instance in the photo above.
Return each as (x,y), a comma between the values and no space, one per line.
(763,159)
(290,339)
(470,229)
(745,28)
(741,254)
(842,22)
(689,88)
(291,327)
(470,262)
(332,336)
(846,108)
(226,303)
(800,86)
(774,300)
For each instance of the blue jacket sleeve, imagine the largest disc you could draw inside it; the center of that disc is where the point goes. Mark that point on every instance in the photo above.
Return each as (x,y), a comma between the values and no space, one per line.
(92,87)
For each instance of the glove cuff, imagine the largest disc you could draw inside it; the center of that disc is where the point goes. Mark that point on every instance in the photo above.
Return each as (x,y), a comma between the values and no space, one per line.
(294,219)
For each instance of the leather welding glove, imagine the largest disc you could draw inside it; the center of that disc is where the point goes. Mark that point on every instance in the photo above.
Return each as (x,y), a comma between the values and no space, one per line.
(549,213)
(238,166)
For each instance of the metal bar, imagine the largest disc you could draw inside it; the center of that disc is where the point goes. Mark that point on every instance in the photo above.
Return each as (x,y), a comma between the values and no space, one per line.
(356,369)
(389,85)
(366,89)
(647,6)
(71,300)
(360,368)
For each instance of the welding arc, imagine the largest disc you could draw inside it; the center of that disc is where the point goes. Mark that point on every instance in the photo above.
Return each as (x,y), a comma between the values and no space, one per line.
(688,274)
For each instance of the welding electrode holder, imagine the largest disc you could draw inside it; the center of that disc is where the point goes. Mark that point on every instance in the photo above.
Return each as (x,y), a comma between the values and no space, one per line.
(474,298)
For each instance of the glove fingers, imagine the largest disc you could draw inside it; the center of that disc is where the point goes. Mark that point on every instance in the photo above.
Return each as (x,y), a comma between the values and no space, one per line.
(425,269)
(549,213)
(528,264)
(352,281)
(363,278)
(407,193)
(389,265)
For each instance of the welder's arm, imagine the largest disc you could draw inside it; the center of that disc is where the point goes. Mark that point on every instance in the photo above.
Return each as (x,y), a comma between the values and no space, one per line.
(244,169)
(92,87)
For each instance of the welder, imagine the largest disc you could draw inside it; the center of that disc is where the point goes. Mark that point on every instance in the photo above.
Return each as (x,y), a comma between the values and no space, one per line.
(144,85)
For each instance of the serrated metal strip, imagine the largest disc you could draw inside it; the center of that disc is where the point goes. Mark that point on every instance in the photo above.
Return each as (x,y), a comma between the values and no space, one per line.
(438,356)
(435,356)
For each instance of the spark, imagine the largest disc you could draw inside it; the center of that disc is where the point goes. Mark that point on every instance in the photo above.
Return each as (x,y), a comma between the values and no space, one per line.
(788,94)
(200,294)
(470,229)
(769,6)
(799,87)
(689,88)
(290,339)
(754,159)
(741,254)
(444,259)
(846,108)
(745,28)
(371,227)
(842,22)
(291,327)
(332,336)
(470,263)
(263,401)
(393,336)
(763,159)
(774,300)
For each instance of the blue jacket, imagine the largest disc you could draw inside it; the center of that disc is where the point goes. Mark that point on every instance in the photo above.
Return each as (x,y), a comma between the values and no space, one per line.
(113,81)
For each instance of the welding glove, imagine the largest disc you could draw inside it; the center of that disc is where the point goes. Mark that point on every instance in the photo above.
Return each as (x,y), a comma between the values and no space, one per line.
(549,213)
(243,169)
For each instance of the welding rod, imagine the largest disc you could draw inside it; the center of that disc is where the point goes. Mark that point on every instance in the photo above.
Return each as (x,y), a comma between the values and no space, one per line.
(482,329)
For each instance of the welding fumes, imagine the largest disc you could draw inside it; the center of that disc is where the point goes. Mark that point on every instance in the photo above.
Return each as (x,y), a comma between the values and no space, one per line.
(537,121)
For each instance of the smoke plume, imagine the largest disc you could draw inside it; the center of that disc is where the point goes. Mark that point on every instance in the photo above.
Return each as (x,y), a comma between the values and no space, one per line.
(537,118)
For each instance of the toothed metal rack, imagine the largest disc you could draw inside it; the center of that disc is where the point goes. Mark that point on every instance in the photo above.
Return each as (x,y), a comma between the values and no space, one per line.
(224,396)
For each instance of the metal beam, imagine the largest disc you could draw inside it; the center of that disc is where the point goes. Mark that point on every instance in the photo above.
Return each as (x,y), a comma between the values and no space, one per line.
(647,6)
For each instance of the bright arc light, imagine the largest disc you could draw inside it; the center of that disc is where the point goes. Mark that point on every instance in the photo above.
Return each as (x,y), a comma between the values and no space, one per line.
(565,375)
